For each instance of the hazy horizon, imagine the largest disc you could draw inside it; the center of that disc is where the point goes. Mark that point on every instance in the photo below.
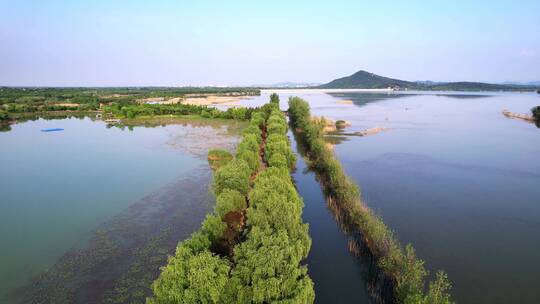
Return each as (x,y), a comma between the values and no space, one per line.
(167,43)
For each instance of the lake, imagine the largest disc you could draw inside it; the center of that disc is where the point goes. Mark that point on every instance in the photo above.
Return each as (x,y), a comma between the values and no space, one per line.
(88,214)
(452,176)
(80,205)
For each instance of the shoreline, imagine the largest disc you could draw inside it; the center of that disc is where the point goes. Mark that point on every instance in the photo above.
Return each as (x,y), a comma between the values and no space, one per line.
(294,91)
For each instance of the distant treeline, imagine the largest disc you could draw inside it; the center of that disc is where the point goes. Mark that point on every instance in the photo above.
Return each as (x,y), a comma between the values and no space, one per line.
(14,101)
(405,271)
(250,249)
(135,110)
(87,94)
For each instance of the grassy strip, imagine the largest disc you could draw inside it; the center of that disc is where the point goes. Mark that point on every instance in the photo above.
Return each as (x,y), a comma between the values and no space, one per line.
(250,248)
(406,272)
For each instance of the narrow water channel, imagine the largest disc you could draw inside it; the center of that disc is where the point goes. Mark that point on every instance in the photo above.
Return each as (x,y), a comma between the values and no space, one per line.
(338,275)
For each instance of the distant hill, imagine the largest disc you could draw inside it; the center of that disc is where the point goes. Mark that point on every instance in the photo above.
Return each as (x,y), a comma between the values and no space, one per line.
(367,80)
(287,84)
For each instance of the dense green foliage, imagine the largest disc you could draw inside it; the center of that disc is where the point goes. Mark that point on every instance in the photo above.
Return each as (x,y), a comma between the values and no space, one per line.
(192,275)
(118,102)
(536,112)
(274,98)
(234,175)
(366,80)
(248,150)
(264,265)
(3,115)
(406,271)
(218,158)
(277,150)
(134,110)
(40,96)
(230,200)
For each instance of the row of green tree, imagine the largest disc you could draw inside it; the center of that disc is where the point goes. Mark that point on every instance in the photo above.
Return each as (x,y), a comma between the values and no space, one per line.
(36,95)
(124,110)
(135,110)
(401,265)
(122,102)
(249,250)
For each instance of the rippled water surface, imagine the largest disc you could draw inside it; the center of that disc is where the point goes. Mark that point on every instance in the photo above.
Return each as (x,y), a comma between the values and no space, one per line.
(83,207)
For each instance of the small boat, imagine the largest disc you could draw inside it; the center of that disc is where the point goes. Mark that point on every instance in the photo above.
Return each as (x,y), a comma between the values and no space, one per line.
(52,130)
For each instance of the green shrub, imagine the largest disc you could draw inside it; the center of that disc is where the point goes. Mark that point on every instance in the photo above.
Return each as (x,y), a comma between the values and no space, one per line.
(439,290)
(268,108)
(253,130)
(278,160)
(206,114)
(274,98)
(234,176)
(218,158)
(4,115)
(277,117)
(275,180)
(252,159)
(229,200)
(189,278)
(277,145)
(536,112)
(276,128)
(213,227)
(249,143)
(267,270)
(257,119)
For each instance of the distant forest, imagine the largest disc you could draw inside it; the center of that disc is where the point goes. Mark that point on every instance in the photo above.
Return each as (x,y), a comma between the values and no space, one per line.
(16,101)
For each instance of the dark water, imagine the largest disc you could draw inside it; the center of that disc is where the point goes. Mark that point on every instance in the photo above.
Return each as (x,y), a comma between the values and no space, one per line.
(460,182)
(89,214)
(338,276)
(452,176)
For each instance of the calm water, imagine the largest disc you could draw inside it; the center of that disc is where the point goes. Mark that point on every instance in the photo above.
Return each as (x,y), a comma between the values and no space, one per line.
(338,276)
(454,177)
(57,187)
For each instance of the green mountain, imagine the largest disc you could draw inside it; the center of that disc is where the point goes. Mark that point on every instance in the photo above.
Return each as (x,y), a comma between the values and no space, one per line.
(367,80)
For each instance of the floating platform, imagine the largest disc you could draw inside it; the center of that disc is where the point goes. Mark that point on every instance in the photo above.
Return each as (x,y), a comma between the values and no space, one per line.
(52,130)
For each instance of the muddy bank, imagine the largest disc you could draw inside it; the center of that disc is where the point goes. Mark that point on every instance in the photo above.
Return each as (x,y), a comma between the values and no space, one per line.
(525,117)
(123,256)
(199,99)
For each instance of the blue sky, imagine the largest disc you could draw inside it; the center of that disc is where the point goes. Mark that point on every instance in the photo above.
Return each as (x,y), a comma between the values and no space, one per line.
(110,43)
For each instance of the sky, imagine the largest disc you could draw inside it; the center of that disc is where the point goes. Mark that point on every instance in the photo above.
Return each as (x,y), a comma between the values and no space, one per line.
(172,43)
